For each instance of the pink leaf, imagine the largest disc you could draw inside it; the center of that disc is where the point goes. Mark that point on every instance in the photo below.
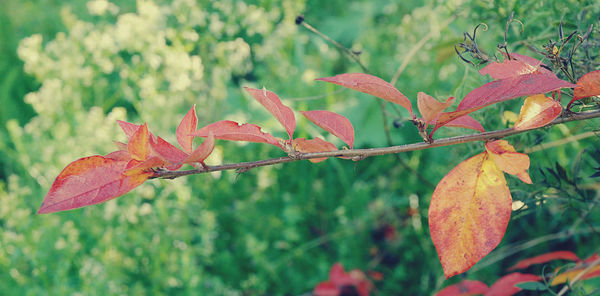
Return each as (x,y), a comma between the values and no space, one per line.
(139,167)
(464,288)
(429,107)
(466,121)
(510,88)
(128,128)
(231,130)
(507,69)
(528,60)
(537,111)
(119,155)
(371,85)
(314,145)
(168,151)
(203,151)
(87,181)
(505,286)
(188,125)
(334,123)
(326,289)
(566,255)
(588,85)
(273,104)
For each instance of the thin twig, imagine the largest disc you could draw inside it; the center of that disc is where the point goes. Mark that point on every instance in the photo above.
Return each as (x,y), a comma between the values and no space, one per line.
(362,153)
(560,142)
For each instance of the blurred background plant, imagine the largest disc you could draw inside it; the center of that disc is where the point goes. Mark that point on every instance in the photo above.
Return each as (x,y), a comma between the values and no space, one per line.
(71,68)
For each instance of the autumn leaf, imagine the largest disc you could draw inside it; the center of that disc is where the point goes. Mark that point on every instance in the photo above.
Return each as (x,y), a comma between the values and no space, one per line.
(188,125)
(429,107)
(313,145)
(469,212)
(168,152)
(139,144)
(371,85)
(508,159)
(505,286)
(537,111)
(587,86)
(569,275)
(272,103)
(466,121)
(507,69)
(334,123)
(203,151)
(547,257)
(128,128)
(233,131)
(90,180)
(464,288)
(510,88)
(136,167)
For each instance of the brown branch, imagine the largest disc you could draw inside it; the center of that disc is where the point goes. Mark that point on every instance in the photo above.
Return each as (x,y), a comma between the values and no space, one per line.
(363,153)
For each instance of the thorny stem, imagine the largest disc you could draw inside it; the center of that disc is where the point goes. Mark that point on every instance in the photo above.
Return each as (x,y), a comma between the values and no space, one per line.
(363,153)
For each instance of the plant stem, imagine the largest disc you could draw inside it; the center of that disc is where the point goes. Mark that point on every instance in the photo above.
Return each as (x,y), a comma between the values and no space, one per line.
(359,154)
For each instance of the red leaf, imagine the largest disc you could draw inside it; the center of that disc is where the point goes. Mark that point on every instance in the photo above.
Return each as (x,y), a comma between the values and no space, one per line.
(188,125)
(592,258)
(429,107)
(271,102)
(505,286)
(588,85)
(510,88)
(314,145)
(233,131)
(468,214)
(464,288)
(87,181)
(507,69)
(508,159)
(529,60)
(139,167)
(334,123)
(128,128)
(537,111)
(326,289)
(371,85)
(203,151)
(168,151)
(466,121)
(139,144)
(566,255)
(119,155)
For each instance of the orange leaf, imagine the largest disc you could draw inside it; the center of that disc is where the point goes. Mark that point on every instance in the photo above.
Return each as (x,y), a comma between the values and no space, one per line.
(271,102)
(137,167)
(508,159)
(90,180)
(587,86)
(566,255)
(314,145)
(469,211)
(188,125)
(139,144)
(571,274)
(429,107)
(334,123)
(203,151)
(537,111)
(464,288)
(371,85)
(233,131)
(505,286)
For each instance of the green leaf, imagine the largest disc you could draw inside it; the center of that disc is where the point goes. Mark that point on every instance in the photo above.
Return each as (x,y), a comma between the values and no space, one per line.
(532,286)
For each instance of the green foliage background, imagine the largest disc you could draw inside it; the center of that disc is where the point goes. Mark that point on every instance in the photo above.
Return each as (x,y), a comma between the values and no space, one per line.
(71,68)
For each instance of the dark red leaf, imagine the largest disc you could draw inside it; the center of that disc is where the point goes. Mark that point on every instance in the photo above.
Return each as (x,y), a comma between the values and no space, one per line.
(90,180)
(273,104)
(505,286)
(188,125)
(326,289)
(371,85)
(588,85)
(565,255)
(334,123)
(464,288)
(233,131)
